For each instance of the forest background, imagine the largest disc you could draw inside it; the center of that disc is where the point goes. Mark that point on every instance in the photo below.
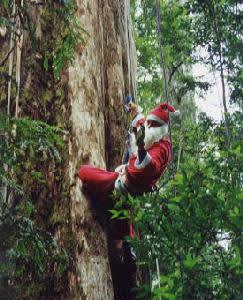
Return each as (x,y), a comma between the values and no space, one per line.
(197,242)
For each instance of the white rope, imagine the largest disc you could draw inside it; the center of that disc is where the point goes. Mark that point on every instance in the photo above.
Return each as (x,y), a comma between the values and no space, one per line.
(18,63)
(127,13)
(166,91)
(164,73)
(10,66)
(132,50)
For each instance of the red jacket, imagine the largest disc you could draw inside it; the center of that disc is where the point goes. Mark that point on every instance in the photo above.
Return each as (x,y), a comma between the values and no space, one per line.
(140,178)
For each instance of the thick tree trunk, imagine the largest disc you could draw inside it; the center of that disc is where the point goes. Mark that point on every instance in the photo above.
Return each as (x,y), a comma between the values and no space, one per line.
(88,103)
(96,91)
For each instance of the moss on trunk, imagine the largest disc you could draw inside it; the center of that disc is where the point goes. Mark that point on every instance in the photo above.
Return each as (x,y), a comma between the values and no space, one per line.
(86,101)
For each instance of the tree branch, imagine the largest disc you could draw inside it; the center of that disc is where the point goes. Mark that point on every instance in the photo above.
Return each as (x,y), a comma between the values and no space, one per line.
(174,69)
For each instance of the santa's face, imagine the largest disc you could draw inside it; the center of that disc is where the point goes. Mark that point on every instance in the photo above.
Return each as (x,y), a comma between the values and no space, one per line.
(154,132)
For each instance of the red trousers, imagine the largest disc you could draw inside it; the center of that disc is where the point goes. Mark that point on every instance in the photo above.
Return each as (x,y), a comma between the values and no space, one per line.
(99,184)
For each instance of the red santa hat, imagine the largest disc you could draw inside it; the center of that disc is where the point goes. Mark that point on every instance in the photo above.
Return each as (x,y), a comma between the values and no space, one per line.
(161,113)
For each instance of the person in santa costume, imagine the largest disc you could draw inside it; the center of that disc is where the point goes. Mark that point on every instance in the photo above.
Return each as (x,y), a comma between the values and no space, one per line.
(149,155)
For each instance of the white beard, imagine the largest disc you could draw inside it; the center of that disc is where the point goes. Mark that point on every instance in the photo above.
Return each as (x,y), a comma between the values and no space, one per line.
(152,135)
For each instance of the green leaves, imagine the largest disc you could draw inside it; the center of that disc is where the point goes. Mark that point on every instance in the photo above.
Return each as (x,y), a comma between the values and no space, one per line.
(184,225)
(235,262)
(61,51)
(5,3)
(167,288)
(190,262)
(215,29)
(29,253)
(178,179)
(119,214)
(177,36)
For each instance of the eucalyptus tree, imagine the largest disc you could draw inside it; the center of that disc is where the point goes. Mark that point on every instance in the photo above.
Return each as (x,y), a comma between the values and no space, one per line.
(218,28)
(176,33)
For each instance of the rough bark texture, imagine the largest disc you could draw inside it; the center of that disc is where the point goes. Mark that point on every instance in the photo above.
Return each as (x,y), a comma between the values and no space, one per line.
(96,90)
(88,103)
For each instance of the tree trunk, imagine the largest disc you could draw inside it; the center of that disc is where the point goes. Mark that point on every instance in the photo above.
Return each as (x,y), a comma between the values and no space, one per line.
(87,102)
(96,91)
(222,77)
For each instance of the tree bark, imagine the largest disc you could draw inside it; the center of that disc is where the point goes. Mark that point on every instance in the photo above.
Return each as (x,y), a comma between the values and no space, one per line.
(96,91)
(87,102)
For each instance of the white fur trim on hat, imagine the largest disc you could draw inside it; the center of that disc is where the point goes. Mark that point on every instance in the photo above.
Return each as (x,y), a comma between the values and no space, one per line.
(144,163)
(155,118)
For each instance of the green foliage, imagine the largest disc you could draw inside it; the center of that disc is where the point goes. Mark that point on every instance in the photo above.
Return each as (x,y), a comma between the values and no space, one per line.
(4,21)
(193,225)
(177,39)
(23,144)
(28,254)
(67,38)
(217,28)
(5,3)
(32,264)
(59,21)
(30,259)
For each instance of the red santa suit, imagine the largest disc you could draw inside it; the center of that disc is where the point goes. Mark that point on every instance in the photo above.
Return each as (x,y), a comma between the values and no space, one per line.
(139,177)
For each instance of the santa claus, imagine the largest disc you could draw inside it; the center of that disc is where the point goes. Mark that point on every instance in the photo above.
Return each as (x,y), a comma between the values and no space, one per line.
(151,153)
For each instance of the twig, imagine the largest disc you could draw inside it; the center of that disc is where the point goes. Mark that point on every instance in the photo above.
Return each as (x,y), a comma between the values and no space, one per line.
(174,69)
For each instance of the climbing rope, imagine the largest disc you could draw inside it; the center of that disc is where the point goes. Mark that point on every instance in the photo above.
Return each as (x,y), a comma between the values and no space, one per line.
(126,13)
(166,92)
(18,62)
(10,66)
(131,82)
(164,74)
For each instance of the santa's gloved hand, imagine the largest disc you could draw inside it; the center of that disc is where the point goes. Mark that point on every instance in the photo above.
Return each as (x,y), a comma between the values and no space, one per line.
(140,135)
(121,169)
